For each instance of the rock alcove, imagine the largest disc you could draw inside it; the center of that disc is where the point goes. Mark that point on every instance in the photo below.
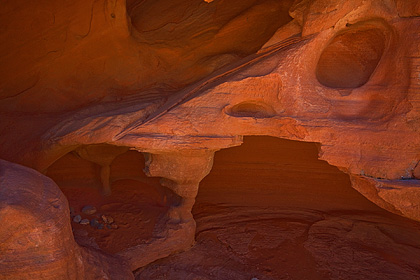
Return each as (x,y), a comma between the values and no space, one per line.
(351,57)
(135,203)
(270,208)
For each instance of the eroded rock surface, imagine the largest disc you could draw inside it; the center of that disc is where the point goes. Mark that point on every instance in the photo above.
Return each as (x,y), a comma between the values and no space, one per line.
(269,209)
(36,239)
(85,81)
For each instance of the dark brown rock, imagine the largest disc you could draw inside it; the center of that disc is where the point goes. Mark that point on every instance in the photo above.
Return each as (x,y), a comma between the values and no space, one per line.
(89,210)
(77,219)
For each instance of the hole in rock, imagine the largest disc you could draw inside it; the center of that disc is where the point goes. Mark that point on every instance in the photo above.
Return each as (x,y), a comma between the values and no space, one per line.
(350,58)
(270,209)
(253,109)
(132,208)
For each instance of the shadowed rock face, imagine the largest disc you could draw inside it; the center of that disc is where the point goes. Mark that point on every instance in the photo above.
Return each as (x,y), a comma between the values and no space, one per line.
(63,56)
(269,209)
(94,92)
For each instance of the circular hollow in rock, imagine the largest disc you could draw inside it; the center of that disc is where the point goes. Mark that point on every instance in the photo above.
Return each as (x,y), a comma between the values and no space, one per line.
(254,109)
(350,58)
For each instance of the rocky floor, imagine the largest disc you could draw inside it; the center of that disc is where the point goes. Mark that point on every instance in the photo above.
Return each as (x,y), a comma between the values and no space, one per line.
(250,242)
(134,208)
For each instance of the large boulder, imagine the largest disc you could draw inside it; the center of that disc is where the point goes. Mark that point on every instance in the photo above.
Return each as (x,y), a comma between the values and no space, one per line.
(36,239)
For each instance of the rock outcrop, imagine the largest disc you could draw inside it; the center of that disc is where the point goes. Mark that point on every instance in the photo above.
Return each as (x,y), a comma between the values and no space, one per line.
(84,82)
(270,210)
(36,237)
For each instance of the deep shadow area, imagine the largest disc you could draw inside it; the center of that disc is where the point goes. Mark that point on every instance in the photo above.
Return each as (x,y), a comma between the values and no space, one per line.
(270,209)
(135,204)
(193,38)
(271,172)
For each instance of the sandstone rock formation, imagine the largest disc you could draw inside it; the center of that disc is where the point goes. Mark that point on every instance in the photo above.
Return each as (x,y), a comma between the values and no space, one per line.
(87,85)
(255,219)
(36,237)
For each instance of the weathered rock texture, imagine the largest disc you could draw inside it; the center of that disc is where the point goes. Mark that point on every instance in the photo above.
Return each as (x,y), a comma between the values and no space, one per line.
(269,209)
(36,240)
(179,80)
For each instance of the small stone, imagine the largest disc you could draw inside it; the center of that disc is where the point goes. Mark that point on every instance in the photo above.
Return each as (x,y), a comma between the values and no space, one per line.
(94,222)
(108,226)
(114,226)
(254,278)
(107,219)
(100,226)
(84,222)
(77,219)
(89,210)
